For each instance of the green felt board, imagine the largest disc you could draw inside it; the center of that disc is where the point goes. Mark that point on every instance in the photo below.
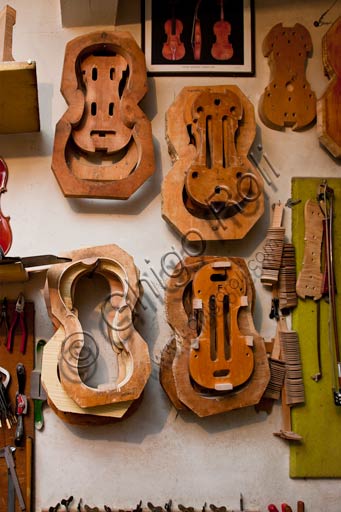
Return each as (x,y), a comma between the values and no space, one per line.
(318,420)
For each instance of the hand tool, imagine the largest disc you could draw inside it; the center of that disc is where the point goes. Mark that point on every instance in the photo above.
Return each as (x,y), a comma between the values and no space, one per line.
(29,459)
(4,316)
(33,261)
(37,392)
(285,507)
(13,482)
(300,506)
(21,404)
(272,508)
(5,406)
(18,316)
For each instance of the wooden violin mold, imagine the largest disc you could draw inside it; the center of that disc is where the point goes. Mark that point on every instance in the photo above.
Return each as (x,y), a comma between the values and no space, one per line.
(78,349)
(103,143)
(288,99)
(209,131)
(328,106)
(216,361)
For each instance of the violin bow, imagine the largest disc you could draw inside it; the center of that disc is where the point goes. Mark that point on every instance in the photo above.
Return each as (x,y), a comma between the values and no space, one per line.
(326,201)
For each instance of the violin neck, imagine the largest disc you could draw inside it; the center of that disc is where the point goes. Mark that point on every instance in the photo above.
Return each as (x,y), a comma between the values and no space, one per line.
(222,10)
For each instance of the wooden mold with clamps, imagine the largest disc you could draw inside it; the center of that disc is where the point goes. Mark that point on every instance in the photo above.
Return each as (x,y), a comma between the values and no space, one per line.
(216,361)
(212,188)
(19,108)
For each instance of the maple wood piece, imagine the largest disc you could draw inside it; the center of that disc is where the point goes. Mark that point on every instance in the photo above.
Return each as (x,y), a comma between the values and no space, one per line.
(72,352)
(273,248)
(328,106)
(309,282)
(288,99)
(19,109)
(212,188)
(103,143)
(183,315)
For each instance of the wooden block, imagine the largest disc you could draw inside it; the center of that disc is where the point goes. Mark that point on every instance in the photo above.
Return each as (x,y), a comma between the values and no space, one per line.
(328,106)
(19,109)
(219,194)
(288,99)
(103,143)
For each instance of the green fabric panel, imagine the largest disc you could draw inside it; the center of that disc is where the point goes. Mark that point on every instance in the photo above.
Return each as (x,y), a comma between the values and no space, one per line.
(318,420)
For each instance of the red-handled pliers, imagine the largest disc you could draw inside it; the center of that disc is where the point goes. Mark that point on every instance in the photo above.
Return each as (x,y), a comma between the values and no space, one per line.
(18,316)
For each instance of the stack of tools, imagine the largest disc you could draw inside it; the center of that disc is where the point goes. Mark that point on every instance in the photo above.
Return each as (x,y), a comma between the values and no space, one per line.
(273,248)
(17,430)
(216,361)
(71,357)
(287,279)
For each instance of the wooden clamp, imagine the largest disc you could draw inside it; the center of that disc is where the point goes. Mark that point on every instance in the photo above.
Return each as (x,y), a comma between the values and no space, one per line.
(213,363)
(288,99)
(19,109)
(218,192)
(103,143)
(328,106)
(72,354)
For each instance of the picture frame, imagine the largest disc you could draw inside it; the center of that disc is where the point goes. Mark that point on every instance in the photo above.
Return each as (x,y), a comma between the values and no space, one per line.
(173,29)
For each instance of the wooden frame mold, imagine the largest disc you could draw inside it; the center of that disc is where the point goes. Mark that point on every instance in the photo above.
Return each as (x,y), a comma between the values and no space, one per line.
(103,143)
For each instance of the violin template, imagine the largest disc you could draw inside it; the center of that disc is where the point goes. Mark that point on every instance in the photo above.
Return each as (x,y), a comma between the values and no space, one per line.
(215,361)
(103,143)
(288,99)
(219,193)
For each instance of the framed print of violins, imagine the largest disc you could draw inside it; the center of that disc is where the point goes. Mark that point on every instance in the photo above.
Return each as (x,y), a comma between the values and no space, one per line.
(103,143)
(199,37)
(219,192)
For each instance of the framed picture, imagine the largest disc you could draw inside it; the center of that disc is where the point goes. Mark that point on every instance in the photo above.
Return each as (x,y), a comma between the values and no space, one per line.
(198,37)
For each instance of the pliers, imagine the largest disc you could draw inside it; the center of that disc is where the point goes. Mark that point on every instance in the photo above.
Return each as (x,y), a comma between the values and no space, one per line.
(18,316)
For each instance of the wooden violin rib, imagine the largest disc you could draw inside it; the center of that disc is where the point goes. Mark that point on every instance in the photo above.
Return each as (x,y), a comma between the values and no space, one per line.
(288,99)
(328,106)
(103,143)
(219,193)
(74,352)
(216,361)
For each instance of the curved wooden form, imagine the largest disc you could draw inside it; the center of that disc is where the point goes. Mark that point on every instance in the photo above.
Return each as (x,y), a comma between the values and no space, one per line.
(328,106)
(103,143)
(219,193)
(71,355)
(177,375)
(288,99)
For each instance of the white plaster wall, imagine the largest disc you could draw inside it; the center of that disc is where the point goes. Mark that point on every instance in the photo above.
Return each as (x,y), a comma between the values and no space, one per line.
(156,454)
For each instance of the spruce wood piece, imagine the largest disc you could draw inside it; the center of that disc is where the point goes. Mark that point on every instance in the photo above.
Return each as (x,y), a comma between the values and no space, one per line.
(19,108)
(103,143)
(175,374)
(122,346)
(212,188)
(328,106)
(288,99)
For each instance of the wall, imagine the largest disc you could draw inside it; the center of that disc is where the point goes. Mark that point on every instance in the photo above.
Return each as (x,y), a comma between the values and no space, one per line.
(157,453)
